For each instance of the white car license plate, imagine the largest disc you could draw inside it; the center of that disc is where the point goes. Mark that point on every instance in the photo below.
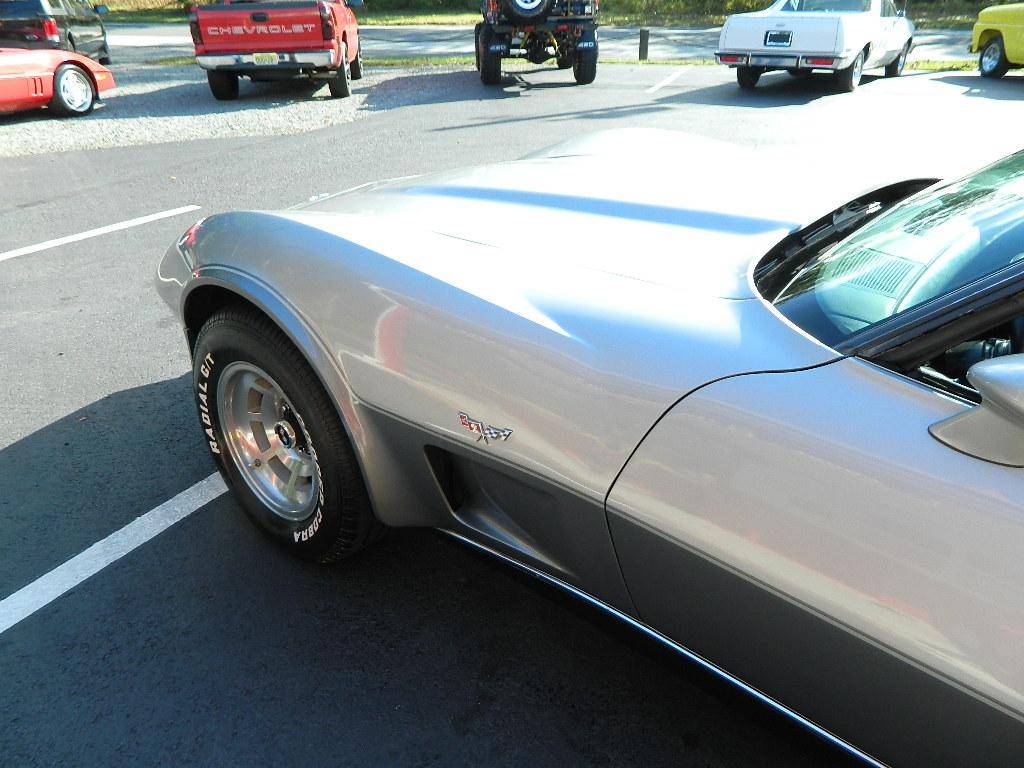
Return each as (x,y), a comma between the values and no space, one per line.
(264,58)
(772,61)
(778,39)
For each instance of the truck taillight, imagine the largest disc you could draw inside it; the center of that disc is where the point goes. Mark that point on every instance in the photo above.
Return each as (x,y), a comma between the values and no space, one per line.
(193,26)
(819,61)
(326,22)
(50,31)
(732,58)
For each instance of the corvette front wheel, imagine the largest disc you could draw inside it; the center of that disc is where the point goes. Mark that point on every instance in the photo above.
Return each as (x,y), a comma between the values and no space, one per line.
(277,439)
(73,91)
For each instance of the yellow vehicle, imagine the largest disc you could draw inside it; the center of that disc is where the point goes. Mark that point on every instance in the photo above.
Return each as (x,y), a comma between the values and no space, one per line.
(999,37)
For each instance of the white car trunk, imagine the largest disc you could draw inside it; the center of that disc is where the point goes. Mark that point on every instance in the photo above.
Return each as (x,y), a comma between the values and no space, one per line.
(811,32)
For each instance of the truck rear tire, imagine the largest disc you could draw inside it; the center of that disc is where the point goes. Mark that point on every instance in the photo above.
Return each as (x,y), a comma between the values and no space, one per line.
(584,68)
(992,61)
(356,67)
(490,61)
(223,85)
(340,85)
(747,77)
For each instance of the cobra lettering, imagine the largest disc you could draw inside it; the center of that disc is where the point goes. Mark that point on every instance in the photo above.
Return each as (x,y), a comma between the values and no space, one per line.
(312,528)
(204,401)
(307,533)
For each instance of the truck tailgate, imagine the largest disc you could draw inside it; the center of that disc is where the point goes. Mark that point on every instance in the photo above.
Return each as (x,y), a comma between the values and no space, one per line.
(817,33)
(274,26)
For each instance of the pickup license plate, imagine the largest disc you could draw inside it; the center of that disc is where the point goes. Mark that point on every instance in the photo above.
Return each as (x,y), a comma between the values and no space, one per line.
(264,58)
(778,39)
(772,61)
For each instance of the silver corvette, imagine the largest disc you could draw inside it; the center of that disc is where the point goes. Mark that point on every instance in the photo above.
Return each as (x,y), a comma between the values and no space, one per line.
(779,431)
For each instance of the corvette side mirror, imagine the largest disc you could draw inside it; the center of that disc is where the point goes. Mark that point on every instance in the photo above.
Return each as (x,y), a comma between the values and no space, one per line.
(994,430)
(100,9)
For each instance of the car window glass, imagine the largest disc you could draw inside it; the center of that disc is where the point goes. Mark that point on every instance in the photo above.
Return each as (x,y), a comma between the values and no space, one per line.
(20,9)
(937,241)
(827,6)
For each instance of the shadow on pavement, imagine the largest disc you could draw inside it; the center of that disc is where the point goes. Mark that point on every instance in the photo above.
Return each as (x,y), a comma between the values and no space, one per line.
(211,646)
(82,477)
(1008,88)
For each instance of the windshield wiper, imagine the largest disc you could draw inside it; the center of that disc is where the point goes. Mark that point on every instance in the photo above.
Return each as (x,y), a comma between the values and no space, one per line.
(783,261)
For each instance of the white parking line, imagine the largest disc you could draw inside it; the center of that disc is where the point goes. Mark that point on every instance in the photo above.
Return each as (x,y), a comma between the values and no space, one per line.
(666,81)
(49,587)
(97,232)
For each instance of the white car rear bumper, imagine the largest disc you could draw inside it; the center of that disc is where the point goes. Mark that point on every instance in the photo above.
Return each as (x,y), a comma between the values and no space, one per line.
(784,60)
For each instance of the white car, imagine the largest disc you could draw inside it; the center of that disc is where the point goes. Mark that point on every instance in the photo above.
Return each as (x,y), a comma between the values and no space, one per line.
(800,36)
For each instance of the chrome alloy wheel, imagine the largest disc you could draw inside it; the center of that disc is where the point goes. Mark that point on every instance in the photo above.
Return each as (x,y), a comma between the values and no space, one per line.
(991,56)
(76,90)
(268,441)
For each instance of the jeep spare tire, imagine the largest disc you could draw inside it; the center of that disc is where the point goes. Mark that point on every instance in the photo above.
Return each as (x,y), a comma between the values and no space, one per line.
(528,9)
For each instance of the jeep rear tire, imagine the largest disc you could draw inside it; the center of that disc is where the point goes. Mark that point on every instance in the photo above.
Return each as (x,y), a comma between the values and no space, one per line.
(490,61)
(223,85)
(476,44)
(584,67)
(277,439)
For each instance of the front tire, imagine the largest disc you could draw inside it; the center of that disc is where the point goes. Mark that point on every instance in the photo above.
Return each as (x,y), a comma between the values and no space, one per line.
(895,67)
(74,94)
(747,77)
(992,61)
(848,79)
(223,85)
(277,438)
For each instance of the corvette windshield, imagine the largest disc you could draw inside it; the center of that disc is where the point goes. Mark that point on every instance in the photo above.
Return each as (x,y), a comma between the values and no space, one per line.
(932,243)
(826,6)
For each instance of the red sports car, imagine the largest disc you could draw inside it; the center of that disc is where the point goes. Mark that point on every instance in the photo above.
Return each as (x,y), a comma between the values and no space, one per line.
(66,82)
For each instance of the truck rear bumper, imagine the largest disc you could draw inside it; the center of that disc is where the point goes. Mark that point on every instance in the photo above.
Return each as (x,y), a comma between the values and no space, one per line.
(784,60)
(324,59)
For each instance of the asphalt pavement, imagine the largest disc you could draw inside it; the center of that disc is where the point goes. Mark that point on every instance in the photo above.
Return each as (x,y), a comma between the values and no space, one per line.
(207,645)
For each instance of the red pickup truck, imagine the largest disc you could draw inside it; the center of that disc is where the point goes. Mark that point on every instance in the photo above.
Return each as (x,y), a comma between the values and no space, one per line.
(277,40)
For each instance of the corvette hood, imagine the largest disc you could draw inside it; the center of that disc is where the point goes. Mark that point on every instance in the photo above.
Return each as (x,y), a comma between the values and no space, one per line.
(654,206)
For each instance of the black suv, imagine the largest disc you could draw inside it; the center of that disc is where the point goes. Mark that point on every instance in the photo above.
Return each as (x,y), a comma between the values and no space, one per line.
(74,25)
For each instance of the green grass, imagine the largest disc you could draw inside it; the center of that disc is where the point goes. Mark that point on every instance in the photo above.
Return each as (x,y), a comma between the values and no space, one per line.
(173,61)
(932,14)
(425,62)
(418,61)
(926,65)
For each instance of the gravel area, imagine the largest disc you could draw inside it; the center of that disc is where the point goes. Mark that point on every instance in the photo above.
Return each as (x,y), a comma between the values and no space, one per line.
(157,103)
